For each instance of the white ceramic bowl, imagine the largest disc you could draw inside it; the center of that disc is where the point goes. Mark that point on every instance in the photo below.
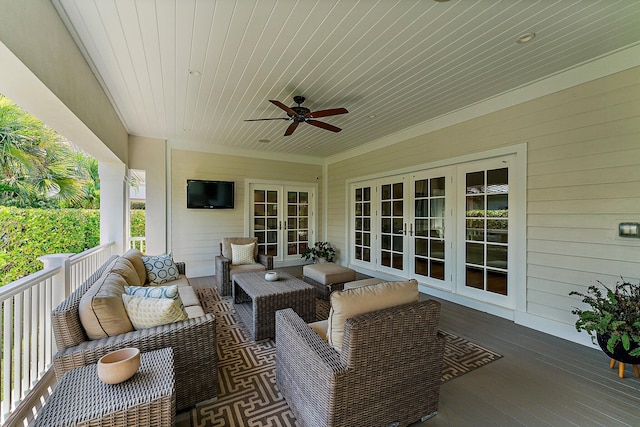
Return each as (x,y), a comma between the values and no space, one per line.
(119,365)
(271,276)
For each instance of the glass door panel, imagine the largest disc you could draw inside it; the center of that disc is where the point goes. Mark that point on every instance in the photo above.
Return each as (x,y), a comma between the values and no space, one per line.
(427,227)
(486,232)
(393,227)
(266,220)
(297,223)
(362,250)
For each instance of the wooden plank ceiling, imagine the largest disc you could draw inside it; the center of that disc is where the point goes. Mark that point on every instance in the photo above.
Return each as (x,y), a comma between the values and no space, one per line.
(190,71)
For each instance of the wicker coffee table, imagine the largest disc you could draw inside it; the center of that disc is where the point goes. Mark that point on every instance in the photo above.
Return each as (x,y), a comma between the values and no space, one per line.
(146,399)
(257,300)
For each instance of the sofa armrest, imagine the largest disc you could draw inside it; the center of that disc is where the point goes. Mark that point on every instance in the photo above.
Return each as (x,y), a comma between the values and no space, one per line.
(266,260)
(194,346)
(182,268)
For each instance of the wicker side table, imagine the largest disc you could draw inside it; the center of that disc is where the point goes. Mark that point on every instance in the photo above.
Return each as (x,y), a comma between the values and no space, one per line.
(147,398)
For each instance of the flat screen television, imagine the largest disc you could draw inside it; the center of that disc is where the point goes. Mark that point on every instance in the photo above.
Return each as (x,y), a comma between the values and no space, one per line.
(210,194)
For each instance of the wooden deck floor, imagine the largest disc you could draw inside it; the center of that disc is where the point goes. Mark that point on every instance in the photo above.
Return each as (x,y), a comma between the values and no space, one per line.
(540,380)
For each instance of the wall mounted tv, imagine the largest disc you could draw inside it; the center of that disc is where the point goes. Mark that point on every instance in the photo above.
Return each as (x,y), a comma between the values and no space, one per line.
(210,194)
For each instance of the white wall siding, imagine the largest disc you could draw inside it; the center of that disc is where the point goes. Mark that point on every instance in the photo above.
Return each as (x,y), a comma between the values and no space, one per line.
(583,178)
(196,233)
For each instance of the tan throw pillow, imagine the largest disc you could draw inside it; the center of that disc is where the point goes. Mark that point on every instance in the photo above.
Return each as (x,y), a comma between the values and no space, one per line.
(101,310)
(124,268)
(242,254)
(150,312)
(354,302)
(135,257)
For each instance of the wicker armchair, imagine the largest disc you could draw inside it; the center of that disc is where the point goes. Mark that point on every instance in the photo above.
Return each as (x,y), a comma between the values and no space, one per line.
(193,342)
(225,267)
(388,372)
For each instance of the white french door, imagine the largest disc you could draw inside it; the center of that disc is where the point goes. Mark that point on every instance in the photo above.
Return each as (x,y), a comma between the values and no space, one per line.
(392,226)
(485,258)
(283,219)
(430,228)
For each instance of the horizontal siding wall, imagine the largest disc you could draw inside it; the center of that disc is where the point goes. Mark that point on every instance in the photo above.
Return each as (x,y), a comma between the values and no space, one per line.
(583,178)
(196,233)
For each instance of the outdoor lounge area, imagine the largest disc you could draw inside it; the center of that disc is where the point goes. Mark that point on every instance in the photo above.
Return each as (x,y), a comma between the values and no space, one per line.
(487,153)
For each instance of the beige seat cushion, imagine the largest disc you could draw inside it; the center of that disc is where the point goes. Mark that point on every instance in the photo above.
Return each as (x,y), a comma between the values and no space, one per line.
(125,268)
(188,296)
(194,311)
(245,268)
(180,281)
(101,309)
(227,241)
(320,328)
(354,302)
(135,257)
(328,273)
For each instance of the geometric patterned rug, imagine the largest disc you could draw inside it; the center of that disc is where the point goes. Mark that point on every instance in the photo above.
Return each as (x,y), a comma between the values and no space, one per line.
(246,370)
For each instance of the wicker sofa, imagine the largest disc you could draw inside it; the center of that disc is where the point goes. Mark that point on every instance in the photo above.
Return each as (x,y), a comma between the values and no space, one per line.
(387,371)
(193,342)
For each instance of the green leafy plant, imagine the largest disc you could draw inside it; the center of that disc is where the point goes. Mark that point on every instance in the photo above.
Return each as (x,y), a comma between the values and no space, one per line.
(319,250)
(614,313)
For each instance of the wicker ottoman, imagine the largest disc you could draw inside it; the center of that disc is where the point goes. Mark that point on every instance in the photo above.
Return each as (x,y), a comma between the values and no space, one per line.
(147,398)
(327,277)
(363,282)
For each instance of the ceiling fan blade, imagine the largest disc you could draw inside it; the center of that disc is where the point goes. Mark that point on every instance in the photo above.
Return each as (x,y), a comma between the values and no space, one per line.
(284,107)
(275,118)
(291,128)
(325,113)
(324,125)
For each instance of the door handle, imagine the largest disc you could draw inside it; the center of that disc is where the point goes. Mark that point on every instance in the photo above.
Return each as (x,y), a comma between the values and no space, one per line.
(411,229)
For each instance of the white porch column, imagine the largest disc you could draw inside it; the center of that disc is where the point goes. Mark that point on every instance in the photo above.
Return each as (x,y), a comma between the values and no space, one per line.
(114,205)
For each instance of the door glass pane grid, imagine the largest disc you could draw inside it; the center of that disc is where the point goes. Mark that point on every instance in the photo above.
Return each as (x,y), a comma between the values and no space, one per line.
(297,222)
(486,234)
(429,198)
(362,222)
(265,221)
(392,226)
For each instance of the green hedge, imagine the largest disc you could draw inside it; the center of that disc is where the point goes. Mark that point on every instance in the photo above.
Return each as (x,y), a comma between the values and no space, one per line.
(26,234)
(137,223)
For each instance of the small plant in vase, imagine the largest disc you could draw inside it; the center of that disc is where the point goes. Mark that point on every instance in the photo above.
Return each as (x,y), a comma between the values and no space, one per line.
(613,319)
(319,251)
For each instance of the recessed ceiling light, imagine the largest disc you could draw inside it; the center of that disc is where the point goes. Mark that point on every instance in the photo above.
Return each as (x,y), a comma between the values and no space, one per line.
(372,116)
(441,1)
(264,140)
(525,38)
(187,129)
(195,73)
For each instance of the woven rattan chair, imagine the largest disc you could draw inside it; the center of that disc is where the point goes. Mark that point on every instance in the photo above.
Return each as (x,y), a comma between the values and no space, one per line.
(388,372)
(225,267)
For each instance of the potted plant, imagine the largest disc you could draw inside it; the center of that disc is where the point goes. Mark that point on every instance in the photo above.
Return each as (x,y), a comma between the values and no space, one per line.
(318,252)
(613,319)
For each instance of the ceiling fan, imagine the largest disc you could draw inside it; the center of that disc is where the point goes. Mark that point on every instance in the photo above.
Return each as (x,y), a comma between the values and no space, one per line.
(301,114)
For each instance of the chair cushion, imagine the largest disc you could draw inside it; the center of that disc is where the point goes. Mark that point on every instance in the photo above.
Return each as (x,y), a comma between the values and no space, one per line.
(150,312)
(245,268)
(135,257)
(354,302)
(101,309)
(194,311)
(328,273)
(188,296)
(125,268)
(227,241)
(160,268)
(320,328)
(242,254)
(363,282)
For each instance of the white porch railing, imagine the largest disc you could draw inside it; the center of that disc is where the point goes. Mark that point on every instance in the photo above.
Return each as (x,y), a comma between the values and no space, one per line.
(138,243)
(28,344)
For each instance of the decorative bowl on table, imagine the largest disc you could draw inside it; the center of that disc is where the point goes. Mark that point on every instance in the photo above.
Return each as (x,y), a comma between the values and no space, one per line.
(119,365)
(271,276)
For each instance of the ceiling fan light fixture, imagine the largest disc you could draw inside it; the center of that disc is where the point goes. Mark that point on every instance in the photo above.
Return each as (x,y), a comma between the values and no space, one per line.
(525,38)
